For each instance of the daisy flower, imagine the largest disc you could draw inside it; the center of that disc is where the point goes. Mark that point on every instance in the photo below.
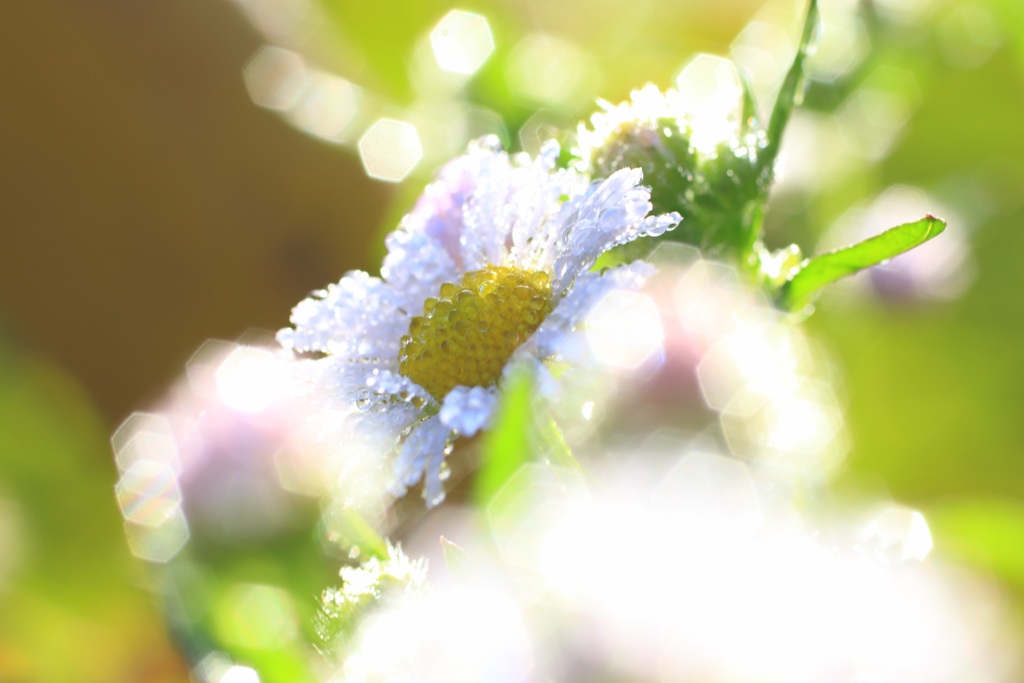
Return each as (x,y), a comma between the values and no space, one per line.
(490,271)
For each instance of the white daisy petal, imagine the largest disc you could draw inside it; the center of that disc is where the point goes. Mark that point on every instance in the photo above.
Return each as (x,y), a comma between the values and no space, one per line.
(536,214)
(482,238)
(441,211)
(544,215)
(378,431)
(555,336)
(375,389)
(467,410)
(422,453)
(614,212)
(415,267)
(338,377)
(359,317)
(391,384)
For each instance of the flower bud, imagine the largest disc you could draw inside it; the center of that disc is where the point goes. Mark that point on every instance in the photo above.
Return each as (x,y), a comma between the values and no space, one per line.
(698,151)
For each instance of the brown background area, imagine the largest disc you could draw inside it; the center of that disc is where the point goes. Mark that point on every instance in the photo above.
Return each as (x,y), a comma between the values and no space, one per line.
(146,204)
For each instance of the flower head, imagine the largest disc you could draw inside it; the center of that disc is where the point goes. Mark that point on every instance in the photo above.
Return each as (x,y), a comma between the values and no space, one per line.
(699,155)
(490,270)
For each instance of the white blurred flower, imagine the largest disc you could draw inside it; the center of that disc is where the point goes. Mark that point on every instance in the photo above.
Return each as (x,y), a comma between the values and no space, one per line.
(227,458)
(489,271)
(685,566)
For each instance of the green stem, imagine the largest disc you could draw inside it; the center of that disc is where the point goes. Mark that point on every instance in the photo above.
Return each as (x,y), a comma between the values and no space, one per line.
(789,93)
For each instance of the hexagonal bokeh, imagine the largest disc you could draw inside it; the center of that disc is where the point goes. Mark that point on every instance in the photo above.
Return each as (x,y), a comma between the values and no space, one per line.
(390,150)
(327,107)
(240,674)
(710,494)
(761,356)
(148,493)
(720,379)
(708,299)
(275,77)
(532,76)
(674,255)
(968,35)
(461,42)
(763,51)
(898,533)
(202,365)
(814,153)
(249,379)
(526,504)
(842,43)
(873,118)
(799,431)
(710,80)
(542,126)
(158,543)
(712,92)
(145,437)
(212,668)
(624,330)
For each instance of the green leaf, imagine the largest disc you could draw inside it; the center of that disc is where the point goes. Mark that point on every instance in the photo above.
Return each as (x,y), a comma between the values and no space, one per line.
(825,269)
(749,105)
(506,447)
(519,436)
(790,92)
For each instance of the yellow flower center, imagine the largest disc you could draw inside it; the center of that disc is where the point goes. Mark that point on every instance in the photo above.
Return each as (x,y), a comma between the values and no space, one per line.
(467,334)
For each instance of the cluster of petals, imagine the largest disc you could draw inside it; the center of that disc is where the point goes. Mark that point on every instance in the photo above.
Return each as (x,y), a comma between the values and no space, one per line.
(486,208)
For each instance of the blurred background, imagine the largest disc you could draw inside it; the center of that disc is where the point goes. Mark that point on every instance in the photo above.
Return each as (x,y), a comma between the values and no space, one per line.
(178,171)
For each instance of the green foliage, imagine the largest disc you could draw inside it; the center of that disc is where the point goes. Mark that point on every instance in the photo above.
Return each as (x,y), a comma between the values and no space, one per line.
(824,269)
(68,584)
(790,94)
(717,195)
(721,196)
(520,435)
(506,446)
